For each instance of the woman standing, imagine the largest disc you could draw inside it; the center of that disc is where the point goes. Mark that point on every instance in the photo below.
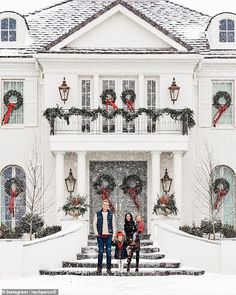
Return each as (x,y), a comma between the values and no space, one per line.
(134,245)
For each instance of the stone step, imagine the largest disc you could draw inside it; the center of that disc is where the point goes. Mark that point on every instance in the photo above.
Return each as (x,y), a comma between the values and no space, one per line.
(143,263)
(142,237)
(94,249)
(142,272)
(142,242)
(156,255)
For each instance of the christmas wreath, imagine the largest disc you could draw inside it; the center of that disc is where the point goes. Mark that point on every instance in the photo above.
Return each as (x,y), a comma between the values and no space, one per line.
(108,98)
(19,187)
(133,186)
(11,106)
(165,205)
(220,187)
(220,107)
(128,97)
(104,185)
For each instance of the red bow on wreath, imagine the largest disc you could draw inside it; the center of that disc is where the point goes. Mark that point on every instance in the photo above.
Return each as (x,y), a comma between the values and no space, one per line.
(10,108)
(220,195)
(134,195)
(109,101)
(130,104)
(220,112)
(105,196)
(12,202)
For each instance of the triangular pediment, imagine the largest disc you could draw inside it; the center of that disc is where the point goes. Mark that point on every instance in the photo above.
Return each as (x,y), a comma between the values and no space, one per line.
(118,28)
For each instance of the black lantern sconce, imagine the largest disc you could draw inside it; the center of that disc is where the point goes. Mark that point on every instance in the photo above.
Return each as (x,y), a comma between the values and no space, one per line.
(70,183)
(166,182)
(64,90)
(174,91)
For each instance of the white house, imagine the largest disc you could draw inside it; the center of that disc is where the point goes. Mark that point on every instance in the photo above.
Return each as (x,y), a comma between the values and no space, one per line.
(120,45)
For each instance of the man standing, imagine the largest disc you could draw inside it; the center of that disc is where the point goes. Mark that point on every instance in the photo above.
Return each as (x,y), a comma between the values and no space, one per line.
(104,228)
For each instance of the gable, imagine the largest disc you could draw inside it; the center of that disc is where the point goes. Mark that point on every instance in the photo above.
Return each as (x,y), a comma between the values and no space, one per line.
(118,31)
(117,27)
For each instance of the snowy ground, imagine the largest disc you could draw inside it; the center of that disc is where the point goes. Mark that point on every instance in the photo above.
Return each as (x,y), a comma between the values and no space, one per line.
(208,284)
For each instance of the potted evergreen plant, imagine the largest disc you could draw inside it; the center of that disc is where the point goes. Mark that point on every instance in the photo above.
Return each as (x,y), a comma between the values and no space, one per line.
(75,206)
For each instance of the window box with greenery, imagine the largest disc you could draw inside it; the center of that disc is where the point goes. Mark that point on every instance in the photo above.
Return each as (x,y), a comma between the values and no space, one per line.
(75,206)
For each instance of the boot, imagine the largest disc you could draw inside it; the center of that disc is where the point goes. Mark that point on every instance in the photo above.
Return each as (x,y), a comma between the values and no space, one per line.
(109,271)
(99,272)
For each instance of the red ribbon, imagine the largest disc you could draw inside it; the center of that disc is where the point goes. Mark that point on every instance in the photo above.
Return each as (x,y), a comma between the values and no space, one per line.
(220,195)
(220,112)
(12,202)
(105,196)
(10,108)
(130,104)
(134,194)
(109,101)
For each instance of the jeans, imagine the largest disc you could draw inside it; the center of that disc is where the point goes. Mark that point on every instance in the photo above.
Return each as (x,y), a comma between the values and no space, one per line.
(101,242)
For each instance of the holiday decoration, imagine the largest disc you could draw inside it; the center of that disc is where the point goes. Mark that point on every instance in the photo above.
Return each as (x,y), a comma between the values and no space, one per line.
(165,205)
(221,188)
(104,185)
(220,107)
(108,98)
(14,187)
(75,206)
(11,106)
(185,115)
(128,97)
(133,186)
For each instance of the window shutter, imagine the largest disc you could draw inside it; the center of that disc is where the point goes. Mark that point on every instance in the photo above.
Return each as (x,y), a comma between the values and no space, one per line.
(30,102)
(205,104)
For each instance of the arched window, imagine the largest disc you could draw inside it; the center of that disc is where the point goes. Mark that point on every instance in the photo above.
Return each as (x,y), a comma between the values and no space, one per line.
(7,218)
(228,211)
(8,29)
(226,30)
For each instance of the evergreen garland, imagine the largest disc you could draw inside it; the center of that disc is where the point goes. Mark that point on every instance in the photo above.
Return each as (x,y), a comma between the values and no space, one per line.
(184,115)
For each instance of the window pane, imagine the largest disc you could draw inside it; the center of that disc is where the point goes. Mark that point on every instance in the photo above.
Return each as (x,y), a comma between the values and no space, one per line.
(222,36)
(12,23)
(222,25)
(230,25)
(12,35)
(4,36)
(230,36)
(4,23)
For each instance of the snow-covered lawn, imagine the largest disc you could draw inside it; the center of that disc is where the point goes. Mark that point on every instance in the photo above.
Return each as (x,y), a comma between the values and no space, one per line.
(208,284)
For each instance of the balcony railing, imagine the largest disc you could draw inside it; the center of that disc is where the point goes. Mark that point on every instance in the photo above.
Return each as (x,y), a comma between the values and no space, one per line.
(100,121)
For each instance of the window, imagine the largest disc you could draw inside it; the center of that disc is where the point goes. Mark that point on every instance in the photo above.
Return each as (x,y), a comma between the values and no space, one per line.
(227,209)
(19,206)
(151,89)
(226,30)
(128,126)
(108,125)
(227,117)
(8,30)
(17,115)
(86,103)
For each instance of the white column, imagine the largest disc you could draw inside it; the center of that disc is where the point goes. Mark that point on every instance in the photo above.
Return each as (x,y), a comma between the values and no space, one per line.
(60,184)
(178,181)
(81,173)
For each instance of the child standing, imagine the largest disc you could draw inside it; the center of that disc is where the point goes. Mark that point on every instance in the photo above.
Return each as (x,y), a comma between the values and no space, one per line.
(120,250)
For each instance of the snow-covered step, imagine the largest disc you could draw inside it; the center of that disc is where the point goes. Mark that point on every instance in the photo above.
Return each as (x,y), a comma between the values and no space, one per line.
(144,249)
(142,242)
(156,255)
(142,272)
(143,263)
(142,237)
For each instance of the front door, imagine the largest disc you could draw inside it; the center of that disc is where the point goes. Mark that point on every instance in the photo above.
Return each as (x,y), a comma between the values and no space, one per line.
(121,201)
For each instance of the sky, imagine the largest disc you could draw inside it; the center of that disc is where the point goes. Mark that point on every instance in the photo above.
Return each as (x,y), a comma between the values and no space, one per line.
(210,7)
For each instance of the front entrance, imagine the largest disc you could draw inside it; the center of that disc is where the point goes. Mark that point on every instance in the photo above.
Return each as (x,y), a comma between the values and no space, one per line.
(122,202)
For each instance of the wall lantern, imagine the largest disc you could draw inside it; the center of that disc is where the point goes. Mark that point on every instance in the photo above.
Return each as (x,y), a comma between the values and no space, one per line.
(70,183)
(174,91)
(166,182)
(64,90)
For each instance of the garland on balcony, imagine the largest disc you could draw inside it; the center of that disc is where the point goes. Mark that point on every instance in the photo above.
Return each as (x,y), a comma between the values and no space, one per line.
(185,115)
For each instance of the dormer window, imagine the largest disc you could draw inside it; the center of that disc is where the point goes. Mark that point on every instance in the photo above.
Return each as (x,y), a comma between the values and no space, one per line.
(226,30)
(8,30)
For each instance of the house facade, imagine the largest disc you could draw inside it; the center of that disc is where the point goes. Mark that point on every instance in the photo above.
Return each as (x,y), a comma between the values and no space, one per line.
(134,47)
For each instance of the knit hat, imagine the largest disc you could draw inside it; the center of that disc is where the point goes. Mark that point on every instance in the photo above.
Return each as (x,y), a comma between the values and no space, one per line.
(120,233)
